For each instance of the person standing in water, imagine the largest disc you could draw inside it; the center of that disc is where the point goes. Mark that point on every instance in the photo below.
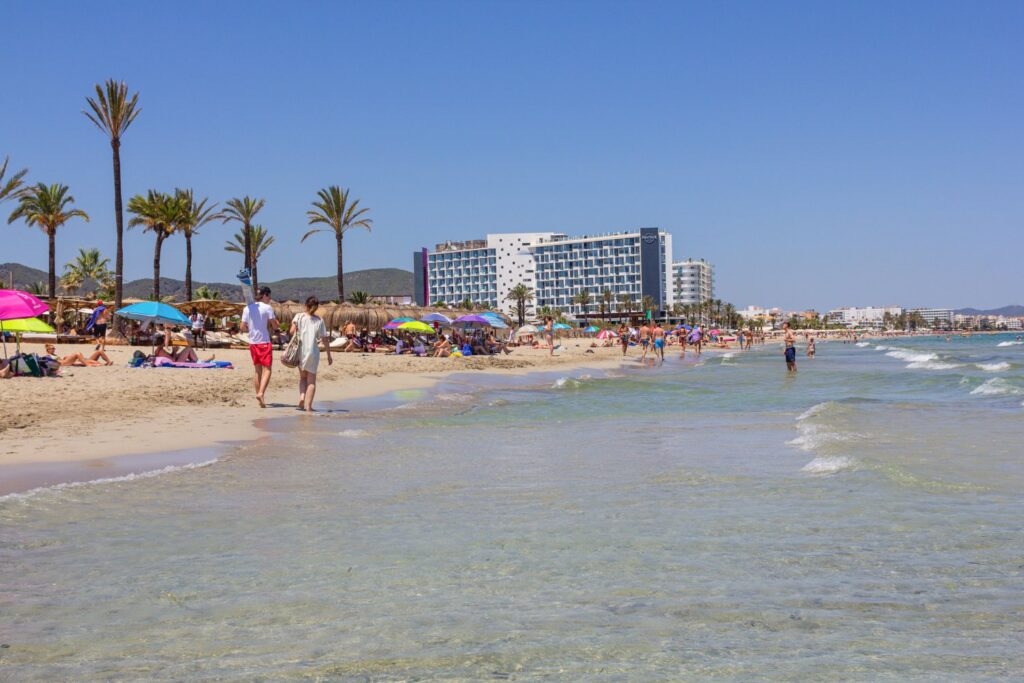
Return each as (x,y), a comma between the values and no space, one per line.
(624,337)
(259,321)
(658,334)
(810,347)
(789,347)
(697,338)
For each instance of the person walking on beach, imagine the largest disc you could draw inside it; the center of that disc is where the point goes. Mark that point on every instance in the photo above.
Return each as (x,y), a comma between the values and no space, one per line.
(624,337)
(98,324)
(198,327)
(697,338)
(789,347)
(259,321)
(645,339)
(658,335)
(310,329)
(549,333)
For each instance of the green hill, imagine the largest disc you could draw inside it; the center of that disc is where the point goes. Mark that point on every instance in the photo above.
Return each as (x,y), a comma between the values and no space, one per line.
(377,281)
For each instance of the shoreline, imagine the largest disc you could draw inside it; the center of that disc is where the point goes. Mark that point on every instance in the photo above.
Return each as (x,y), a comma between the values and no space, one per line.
(154,438)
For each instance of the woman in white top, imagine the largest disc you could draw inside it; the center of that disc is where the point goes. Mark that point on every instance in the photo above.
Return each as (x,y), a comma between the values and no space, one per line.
(310,330)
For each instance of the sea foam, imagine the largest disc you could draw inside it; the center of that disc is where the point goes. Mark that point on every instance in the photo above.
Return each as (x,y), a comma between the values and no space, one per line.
(994,367)
(1010,343)
(135,476)
(829,465)
(997,386)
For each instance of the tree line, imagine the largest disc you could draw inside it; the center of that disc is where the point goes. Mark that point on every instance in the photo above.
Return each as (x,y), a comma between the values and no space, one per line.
(163,214)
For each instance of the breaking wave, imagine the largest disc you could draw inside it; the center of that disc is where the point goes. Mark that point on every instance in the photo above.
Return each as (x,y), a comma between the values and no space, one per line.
(135,476)
(993,367)
(997,386)
(829,465)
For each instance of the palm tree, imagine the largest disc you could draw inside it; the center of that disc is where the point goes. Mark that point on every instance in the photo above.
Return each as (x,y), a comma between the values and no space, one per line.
(160,214)
(112,112)
(204,292)
(196,215)
(625,302)
(583,299)
(521,294)
(244,210)
(9,188)
(607,298)
(647,303)
(37,288)
(467,304)
(71,282)
(46,206)
(335,211)
(259,242)
(440,304)
(88,265)
(359,297)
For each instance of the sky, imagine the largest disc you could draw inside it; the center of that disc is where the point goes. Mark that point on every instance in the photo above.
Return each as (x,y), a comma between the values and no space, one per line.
(819,154)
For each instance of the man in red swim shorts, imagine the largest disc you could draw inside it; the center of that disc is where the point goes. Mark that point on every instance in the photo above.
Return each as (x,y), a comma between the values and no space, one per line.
(259,322)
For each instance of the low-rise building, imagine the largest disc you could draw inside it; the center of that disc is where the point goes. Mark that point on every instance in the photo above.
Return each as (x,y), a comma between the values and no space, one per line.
(868,316)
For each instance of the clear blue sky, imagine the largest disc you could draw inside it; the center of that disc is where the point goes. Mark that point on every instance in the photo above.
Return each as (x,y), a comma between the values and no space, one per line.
(820,154)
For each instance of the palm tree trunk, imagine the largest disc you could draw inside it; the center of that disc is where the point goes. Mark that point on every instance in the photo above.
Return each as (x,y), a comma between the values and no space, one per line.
(341,273)
(188,266)
(248,245)
(255,274)
(115,144)
(156,266)
(52,234)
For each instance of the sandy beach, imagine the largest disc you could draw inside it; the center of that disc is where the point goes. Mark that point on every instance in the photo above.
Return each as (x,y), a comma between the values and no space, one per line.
(98,412)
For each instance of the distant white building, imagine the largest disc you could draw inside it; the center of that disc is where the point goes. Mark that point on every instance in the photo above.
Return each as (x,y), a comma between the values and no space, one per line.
(930,315)
(634,263)
(693,281)
(752,312)
(869,316)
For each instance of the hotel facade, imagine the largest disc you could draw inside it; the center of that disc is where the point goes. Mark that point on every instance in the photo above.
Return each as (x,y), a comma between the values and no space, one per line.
(693,281)
(554,266)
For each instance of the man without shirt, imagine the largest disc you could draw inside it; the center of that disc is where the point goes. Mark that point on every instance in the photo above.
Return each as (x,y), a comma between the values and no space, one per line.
(789,346)
(645,339)
(658,334)
(259,322)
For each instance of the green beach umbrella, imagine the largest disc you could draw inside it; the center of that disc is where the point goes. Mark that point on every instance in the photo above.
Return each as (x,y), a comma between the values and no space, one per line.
(20,325)
(416,326)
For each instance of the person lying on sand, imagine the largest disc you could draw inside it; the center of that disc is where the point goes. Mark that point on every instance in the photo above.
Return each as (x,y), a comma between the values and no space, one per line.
(5,369)
(78,360)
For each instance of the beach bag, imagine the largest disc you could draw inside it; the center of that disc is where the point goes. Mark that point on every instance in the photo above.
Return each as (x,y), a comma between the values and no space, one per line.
(292,355)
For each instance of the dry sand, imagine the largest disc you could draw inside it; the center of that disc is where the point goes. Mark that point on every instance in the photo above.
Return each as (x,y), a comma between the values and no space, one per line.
(101,412)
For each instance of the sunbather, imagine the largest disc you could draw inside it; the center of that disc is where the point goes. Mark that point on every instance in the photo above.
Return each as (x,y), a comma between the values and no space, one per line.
(5,369)
(98,358)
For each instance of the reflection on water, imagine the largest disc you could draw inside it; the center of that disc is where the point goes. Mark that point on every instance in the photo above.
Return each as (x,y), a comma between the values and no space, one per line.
(657,524)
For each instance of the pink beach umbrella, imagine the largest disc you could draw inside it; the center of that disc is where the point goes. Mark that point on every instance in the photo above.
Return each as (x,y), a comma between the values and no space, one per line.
(15,305)
(607,334)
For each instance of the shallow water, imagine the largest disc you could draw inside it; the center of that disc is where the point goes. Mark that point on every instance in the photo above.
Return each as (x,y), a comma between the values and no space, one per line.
(702,520)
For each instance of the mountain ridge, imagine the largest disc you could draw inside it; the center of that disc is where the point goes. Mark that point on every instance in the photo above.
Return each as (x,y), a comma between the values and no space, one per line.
(375,281)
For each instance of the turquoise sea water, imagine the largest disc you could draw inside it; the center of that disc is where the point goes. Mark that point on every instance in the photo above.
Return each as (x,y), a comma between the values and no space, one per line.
(705,520)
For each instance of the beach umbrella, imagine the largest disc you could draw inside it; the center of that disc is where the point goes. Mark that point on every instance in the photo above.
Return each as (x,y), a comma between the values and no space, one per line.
(526,329)
(607,334)
(16,305)
(592,329)
(403,320)
(393,325)
(154,312)
(473,320)
(560,326)
(436,318)
(417,326)
(20,325)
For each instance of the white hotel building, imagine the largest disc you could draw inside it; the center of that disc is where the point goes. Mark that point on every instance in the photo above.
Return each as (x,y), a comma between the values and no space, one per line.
(555,266)
(693,281)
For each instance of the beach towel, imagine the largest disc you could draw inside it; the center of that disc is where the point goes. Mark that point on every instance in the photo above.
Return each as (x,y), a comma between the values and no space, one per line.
(162,362)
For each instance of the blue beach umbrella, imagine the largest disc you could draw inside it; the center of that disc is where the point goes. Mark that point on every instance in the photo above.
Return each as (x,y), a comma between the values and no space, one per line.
(154,312)
(436,318)
(592,329)
(560,326)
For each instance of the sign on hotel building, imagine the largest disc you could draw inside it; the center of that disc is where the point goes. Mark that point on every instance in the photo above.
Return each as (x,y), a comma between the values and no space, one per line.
(555,267)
